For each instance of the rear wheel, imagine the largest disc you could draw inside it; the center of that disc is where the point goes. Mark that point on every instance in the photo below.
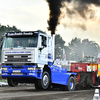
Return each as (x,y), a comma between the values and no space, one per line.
(71,84)
(12,82)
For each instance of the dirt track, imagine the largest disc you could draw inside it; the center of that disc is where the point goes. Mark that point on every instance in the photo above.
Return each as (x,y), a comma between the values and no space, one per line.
(29,93)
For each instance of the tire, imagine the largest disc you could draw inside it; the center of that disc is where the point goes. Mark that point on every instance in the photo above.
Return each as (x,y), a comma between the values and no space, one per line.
(12,82)
(37,87)
(71,84)
(45,81)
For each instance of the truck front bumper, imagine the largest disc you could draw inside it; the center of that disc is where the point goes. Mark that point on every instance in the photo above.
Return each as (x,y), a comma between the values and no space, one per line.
(10,71)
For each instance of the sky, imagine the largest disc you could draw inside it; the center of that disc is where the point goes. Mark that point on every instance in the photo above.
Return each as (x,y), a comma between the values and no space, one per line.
(31,15)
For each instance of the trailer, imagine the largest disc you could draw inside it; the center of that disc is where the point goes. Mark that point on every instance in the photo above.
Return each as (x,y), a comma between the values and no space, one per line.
(28,56)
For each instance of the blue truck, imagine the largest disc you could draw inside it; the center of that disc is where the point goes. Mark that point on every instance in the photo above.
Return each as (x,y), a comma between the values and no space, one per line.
(28,56)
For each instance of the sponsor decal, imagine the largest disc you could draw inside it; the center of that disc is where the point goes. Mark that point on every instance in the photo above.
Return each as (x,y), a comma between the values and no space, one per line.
(79,68)
(18,52)
(94,68)
(16,34)
(89,68)
(98,67)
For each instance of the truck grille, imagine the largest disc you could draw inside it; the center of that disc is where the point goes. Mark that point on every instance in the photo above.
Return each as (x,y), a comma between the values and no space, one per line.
(18,58)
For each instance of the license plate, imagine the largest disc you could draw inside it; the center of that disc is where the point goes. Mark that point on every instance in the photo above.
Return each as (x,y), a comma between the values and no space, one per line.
(16,71)
(17,56)
(17,74)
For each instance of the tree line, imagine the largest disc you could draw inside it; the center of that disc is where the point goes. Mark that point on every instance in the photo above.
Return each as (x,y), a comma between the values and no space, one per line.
(75,50)
(4,29)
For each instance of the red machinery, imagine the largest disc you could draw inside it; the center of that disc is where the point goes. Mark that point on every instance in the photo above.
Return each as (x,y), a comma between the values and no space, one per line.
(87,73)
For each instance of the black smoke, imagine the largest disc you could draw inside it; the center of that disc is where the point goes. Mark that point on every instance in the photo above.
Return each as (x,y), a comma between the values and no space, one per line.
(95,2)
(80,6)
(54,7)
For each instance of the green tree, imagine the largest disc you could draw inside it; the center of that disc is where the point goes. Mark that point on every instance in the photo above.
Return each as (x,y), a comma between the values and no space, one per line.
(90,48)
(4,29)
(77,48)
(59,45)
(67,51)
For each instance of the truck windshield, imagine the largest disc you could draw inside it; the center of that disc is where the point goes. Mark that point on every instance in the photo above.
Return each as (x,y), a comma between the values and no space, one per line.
(18,42)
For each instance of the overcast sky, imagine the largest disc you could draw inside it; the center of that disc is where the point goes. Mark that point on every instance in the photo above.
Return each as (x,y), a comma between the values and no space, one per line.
(31,15)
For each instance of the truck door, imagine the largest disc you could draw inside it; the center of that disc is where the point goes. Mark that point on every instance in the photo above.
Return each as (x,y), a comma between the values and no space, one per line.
(43,50)
(50,51)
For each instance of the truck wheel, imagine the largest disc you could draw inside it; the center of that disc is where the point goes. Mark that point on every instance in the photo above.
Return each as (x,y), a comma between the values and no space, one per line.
(45,81)
(71,84)
(12,82)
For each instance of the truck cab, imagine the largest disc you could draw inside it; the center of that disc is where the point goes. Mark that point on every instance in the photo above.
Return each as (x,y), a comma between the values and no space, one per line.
(26,48)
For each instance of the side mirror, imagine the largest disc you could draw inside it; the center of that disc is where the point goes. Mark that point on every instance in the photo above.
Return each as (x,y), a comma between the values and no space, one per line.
(40,48)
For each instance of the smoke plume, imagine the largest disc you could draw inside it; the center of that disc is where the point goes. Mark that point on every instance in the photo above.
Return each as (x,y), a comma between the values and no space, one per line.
(81,7)
(54,7)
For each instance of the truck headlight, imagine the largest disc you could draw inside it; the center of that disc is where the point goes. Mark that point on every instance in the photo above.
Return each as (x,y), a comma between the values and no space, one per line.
(4,68)
(31,68)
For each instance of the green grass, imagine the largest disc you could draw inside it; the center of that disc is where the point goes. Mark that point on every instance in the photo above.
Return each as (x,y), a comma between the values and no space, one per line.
(3,80)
